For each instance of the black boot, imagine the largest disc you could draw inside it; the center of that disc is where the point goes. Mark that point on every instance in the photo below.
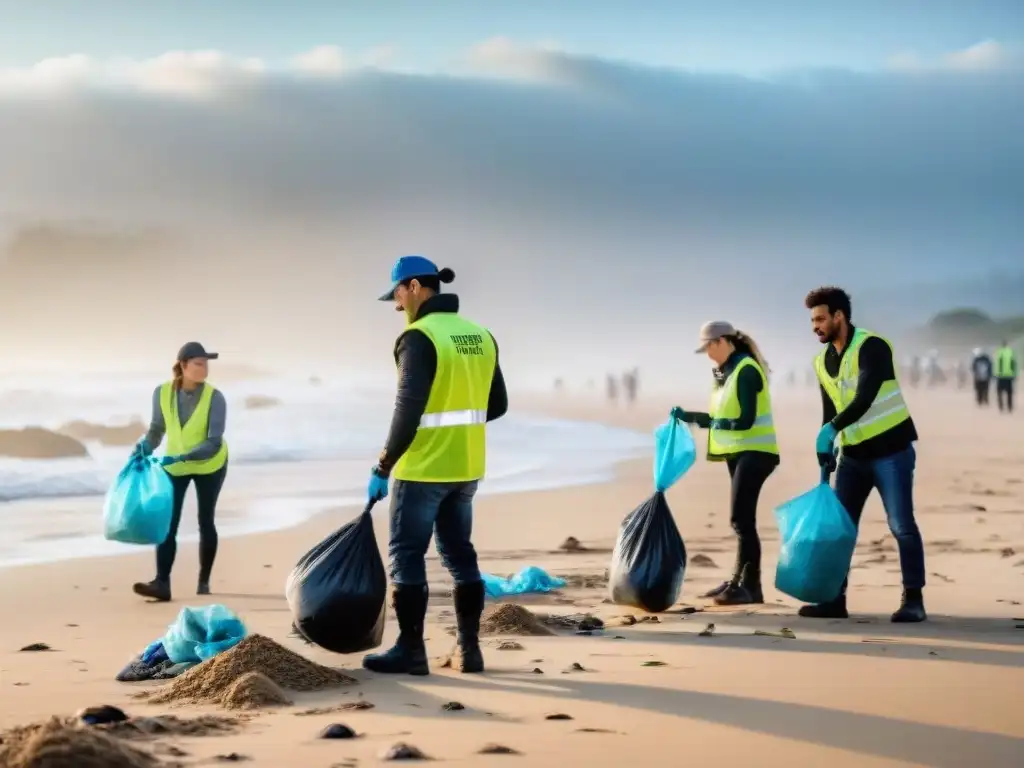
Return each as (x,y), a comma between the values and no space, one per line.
(834,609)
(743,589)
(469,605)
(911,610)
(157,589)
(712,593)
(750,580)
(408,656)
(203,587)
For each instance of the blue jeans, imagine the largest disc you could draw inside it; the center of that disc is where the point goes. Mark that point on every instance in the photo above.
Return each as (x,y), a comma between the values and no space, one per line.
(893,476)
(419,510)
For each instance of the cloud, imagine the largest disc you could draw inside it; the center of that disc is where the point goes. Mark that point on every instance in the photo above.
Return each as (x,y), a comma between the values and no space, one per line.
(984,56)
(655,192)
(325,59)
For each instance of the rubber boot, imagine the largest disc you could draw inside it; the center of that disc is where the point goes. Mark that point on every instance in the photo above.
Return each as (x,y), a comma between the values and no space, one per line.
(203,587)
(157,589)
(408,656)
(834,609)
(469,605)
(911,608)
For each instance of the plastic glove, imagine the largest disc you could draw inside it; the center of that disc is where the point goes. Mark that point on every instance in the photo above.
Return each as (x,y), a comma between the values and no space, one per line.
(827,461)
(142,448)
(826,439)
(168,460)
(678,414)
(378,486)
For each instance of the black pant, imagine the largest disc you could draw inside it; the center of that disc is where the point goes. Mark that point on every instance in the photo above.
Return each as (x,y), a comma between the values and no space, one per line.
(981,389)
(207,490)
(748,471)
(1004,392)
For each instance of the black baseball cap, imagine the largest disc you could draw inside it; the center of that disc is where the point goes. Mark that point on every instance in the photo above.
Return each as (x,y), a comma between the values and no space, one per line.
(194,349)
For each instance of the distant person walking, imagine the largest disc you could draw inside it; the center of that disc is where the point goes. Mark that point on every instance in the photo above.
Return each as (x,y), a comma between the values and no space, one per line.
(193,416)
(630,384)
(981,371)
(741,432)
(612,388)
(863,407)
(1006,375)
(449,386)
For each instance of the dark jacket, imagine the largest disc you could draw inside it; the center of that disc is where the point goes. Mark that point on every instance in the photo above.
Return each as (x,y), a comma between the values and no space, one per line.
(981,368)
(416,359)
(876,368)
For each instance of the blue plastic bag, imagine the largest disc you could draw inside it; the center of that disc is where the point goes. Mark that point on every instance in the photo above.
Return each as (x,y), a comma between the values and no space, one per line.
(139,503)
(818,538)
(201,633)
(529,579)
(674,453)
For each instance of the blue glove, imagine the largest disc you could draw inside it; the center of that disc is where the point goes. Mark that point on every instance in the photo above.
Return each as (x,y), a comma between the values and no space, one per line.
(166,460)
(378,487)
(826,439)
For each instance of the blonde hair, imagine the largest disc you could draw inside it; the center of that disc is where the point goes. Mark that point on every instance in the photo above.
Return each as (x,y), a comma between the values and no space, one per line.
(744,343)
(179,375)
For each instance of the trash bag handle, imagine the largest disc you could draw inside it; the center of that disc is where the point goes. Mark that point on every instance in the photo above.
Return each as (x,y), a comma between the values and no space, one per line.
(369,506)
(826,475)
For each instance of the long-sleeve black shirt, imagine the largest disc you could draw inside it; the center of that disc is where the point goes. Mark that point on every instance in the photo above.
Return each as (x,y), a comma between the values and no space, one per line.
(416,359)
(876,367)
(981,368)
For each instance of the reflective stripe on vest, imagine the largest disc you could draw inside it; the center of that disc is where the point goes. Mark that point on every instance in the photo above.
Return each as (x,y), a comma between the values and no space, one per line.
(725,404)
(452,419)
(183,438)
(1004,363)
(450,444)
(886,411)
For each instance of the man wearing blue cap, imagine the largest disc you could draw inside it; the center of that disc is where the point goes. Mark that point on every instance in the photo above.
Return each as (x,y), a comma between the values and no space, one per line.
(449,386)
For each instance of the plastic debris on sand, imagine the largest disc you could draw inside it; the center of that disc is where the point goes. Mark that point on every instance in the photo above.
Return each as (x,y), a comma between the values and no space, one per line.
(211,681)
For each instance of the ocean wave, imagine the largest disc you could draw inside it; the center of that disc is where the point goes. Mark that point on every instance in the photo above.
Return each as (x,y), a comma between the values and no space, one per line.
(307,422)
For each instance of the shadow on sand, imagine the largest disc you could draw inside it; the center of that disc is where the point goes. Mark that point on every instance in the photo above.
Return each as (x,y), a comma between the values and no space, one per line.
(921,744)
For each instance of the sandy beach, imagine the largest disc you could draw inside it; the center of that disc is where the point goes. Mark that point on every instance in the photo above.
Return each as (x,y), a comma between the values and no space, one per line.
(859,692)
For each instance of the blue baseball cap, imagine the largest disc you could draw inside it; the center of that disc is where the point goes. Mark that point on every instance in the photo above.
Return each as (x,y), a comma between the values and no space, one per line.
(406,268)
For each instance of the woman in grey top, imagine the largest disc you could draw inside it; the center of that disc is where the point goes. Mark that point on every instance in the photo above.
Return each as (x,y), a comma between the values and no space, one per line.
(192,415)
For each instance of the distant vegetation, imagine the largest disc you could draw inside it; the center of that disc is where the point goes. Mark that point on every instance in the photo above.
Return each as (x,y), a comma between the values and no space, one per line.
(968,327)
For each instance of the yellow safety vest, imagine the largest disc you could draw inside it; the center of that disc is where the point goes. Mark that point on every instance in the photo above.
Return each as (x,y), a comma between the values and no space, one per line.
(888,409)
(1004,363)
(182,439)
(450,444)
(725,404)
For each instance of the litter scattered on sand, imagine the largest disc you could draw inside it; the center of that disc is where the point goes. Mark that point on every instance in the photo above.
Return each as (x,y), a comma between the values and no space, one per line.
(215,680)
(572,544)
(579,621)
(511,619)
(58,743)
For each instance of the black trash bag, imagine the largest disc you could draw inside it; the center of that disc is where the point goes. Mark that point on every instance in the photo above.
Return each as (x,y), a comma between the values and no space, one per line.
(337,590)
(649,559)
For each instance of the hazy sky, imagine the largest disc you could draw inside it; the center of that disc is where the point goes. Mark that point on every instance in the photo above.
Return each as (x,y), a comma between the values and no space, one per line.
(597,176)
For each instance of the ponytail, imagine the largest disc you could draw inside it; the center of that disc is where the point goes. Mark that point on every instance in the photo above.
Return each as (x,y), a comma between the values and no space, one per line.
(746,344)
(179,375)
